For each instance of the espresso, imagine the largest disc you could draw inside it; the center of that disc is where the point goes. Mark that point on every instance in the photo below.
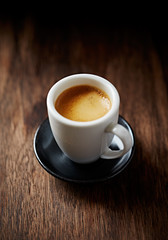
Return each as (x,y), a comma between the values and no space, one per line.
(83,103)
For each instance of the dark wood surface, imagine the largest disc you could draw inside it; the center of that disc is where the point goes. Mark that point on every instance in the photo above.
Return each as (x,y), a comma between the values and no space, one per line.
(35,205)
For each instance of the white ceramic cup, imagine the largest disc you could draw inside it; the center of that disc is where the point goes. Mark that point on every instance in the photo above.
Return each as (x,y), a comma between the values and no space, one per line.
(85,142)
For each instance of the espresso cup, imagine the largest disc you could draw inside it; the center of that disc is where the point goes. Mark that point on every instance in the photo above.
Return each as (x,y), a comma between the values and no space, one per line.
(87,141)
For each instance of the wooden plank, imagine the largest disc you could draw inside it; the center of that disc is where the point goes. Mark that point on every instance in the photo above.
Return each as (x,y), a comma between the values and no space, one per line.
(35,205)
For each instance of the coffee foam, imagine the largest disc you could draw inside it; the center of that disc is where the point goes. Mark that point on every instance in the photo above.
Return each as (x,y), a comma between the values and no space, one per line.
(83,103)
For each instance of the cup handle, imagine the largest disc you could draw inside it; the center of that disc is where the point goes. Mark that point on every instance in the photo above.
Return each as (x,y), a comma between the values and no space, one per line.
(124,136)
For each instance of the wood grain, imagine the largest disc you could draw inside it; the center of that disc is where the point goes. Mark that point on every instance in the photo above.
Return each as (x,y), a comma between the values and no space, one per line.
(35,205)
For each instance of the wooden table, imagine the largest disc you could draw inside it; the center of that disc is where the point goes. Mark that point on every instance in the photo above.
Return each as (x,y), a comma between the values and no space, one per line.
(34,204)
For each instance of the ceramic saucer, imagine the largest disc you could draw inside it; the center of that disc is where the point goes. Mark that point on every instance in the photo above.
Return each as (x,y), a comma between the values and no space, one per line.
(56,163)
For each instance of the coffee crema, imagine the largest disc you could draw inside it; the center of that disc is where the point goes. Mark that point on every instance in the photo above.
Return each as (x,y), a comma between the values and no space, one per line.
(83,103)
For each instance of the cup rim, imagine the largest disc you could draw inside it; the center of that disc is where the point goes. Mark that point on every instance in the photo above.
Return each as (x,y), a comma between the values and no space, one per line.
(51,94)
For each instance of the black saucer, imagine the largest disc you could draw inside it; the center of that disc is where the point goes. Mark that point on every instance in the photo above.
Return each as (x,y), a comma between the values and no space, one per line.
(56,163)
